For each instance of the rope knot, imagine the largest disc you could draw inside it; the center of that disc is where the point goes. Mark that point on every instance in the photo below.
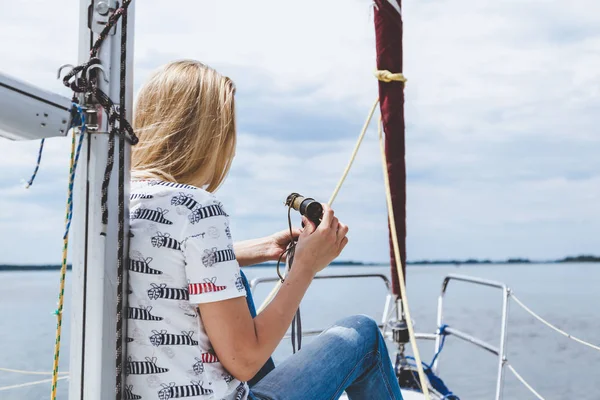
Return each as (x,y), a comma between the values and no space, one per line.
(442,330)
(386,76)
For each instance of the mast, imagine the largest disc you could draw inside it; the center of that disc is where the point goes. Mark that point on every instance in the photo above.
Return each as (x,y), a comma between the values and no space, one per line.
(28,112)
(94,275)
(388,37)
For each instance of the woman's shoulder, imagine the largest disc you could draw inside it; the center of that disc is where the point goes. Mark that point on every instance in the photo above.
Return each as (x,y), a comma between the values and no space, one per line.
(154,192)
(153,188)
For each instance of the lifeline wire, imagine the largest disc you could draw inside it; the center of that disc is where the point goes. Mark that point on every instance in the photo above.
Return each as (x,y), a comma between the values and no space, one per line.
(20,371)
(548,324)
(20,385)
(524,382)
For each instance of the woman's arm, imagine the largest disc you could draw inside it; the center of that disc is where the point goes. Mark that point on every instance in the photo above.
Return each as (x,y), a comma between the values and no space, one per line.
(256,251)
(243,344)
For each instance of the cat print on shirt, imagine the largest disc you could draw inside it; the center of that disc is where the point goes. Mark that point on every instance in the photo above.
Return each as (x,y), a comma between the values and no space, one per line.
(161,291)
(209,285)
(157,215)
(143,367)
(129,395)
(213,256)
(163,338)
(165,240)
(171,391)
(142,265)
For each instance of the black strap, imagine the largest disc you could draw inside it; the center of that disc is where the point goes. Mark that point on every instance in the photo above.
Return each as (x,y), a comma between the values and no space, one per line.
(297,320)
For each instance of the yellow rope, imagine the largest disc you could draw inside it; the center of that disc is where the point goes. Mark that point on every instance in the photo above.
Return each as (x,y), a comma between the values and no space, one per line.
(276,287)
(404,298)
(63,273)
(387,76)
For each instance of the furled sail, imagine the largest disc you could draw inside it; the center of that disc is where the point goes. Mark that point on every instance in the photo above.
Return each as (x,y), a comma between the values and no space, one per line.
(388,36)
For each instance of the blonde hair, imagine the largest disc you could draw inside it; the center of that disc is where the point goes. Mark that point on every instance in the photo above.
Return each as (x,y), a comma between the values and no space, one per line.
(185,120)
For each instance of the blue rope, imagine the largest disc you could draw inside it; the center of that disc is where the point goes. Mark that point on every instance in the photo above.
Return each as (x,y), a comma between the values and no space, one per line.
(429,367)
(441,331)
(37,165)
(72,176)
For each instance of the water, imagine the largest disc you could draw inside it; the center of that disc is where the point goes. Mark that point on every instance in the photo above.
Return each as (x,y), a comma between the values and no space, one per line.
(558,368)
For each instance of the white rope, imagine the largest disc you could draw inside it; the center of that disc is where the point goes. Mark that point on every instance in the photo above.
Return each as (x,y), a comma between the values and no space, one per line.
(30,383)
(20,371)
(277,285)
(524,382)
(549,325)
(401,282)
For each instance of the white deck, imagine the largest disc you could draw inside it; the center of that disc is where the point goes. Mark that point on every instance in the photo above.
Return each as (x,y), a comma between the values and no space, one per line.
(406,395)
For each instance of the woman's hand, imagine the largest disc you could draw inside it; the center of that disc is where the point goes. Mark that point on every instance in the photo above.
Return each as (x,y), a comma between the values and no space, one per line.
(318,247)
(278,243)
(268,248)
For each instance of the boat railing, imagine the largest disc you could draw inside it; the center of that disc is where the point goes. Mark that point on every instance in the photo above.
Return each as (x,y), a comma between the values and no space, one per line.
(266,279)
(389,303)
(312,332)
(443,329)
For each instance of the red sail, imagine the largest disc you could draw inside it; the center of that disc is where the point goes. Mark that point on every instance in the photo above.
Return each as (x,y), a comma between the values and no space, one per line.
(388,36)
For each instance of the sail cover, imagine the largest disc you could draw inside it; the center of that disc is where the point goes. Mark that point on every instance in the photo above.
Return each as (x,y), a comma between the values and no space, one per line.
(388,37)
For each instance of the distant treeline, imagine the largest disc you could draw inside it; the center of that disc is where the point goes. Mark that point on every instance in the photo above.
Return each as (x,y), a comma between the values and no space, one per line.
(470,261)
(334,264)
(570,259)
(52,267)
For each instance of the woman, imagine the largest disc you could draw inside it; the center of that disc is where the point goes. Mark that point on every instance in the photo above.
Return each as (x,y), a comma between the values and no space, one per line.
(190,329)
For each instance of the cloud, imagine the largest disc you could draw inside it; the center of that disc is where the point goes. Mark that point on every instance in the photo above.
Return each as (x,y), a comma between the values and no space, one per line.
(501,108)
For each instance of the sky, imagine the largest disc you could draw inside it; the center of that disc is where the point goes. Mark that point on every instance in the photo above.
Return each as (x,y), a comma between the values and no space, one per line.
(502,114)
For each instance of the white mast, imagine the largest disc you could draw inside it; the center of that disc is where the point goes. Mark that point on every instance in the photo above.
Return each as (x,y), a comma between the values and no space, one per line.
(94,304)
(28,112)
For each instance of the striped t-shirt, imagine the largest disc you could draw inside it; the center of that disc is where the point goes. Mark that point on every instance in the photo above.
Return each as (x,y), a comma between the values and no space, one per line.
(181,254)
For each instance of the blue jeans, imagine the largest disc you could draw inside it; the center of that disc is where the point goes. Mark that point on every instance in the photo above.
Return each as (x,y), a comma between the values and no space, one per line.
(350,356)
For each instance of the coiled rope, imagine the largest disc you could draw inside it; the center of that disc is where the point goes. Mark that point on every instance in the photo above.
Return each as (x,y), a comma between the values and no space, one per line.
(81,84)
